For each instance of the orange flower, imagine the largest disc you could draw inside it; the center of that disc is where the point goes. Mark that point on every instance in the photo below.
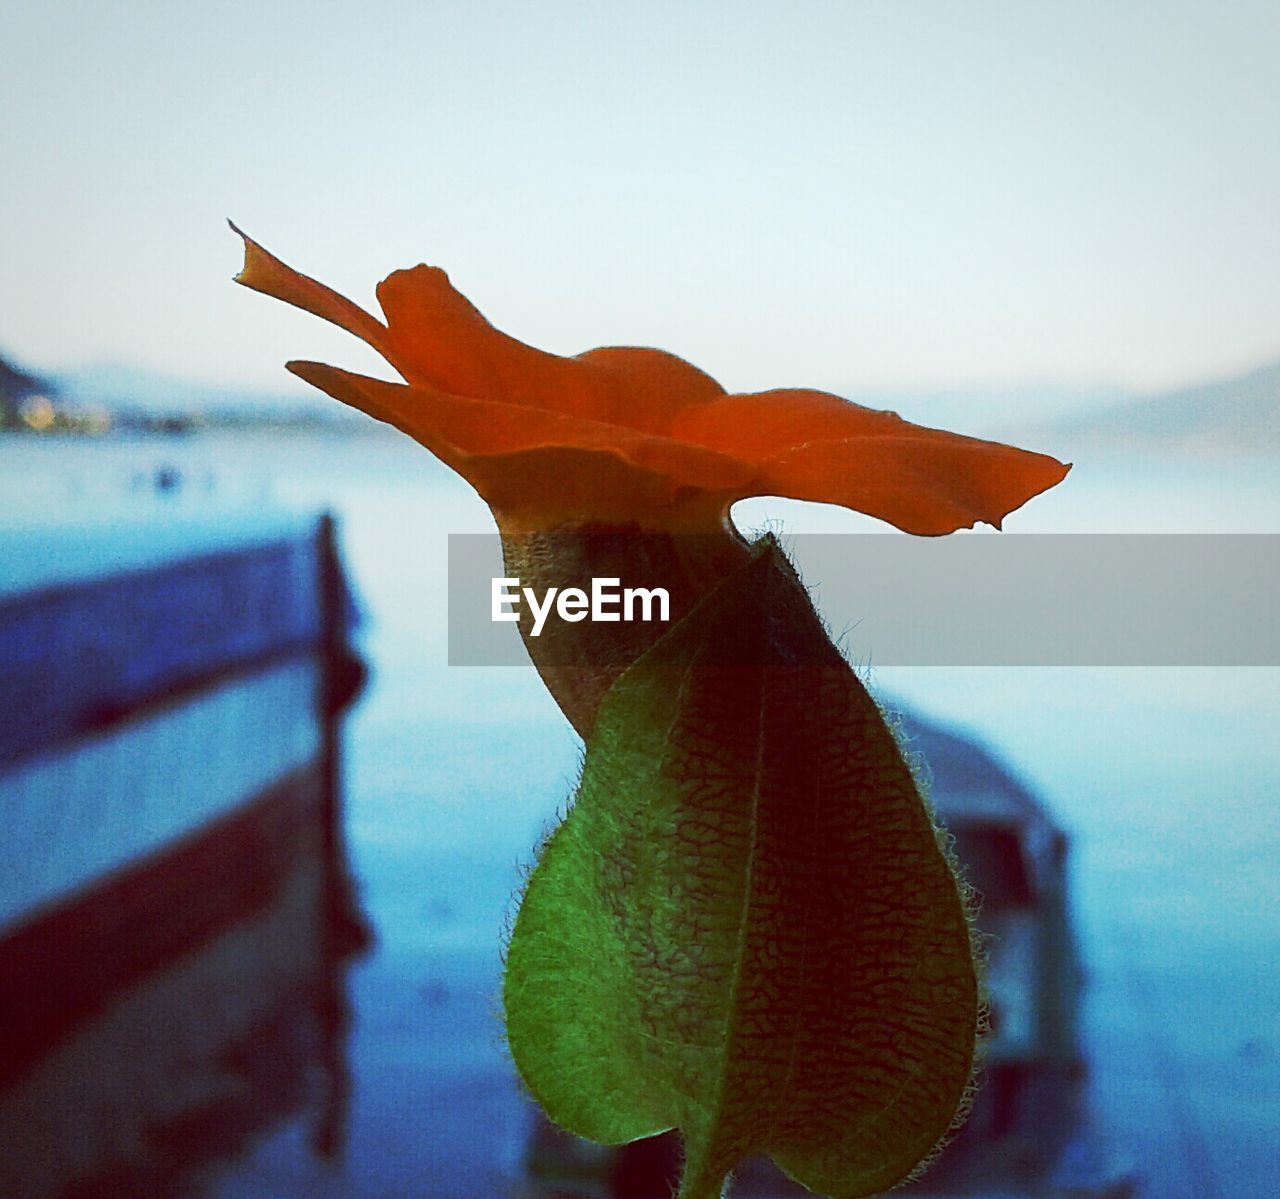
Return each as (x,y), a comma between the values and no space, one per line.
(624,462)
(622,435)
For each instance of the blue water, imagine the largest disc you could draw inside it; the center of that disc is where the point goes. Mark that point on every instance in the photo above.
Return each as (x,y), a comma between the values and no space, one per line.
(1167,779)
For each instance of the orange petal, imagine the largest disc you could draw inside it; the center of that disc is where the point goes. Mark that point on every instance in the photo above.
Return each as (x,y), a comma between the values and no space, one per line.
(758,424)
(535,460)
(437,338)
(811,445)
(264,272)
(650,387)
(920,485)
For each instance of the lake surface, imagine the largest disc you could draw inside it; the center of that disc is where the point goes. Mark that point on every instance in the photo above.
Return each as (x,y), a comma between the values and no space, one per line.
(1168,780)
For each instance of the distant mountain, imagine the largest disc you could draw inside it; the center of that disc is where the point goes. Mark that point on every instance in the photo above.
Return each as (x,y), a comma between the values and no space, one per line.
(1001,412)
(131,389)
(1237,414)
(15,386)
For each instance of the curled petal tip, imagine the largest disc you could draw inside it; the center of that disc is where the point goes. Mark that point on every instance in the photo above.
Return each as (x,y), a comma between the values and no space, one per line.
(239,276)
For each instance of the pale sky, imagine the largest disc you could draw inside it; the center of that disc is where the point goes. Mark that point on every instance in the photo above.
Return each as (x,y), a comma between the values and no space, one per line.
(855,196)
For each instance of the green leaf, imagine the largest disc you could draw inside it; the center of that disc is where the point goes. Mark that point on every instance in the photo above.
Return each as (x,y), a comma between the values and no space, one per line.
(745,928)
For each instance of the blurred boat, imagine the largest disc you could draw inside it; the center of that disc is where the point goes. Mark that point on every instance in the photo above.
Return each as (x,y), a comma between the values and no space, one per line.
(1029,1134)
(176,912)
